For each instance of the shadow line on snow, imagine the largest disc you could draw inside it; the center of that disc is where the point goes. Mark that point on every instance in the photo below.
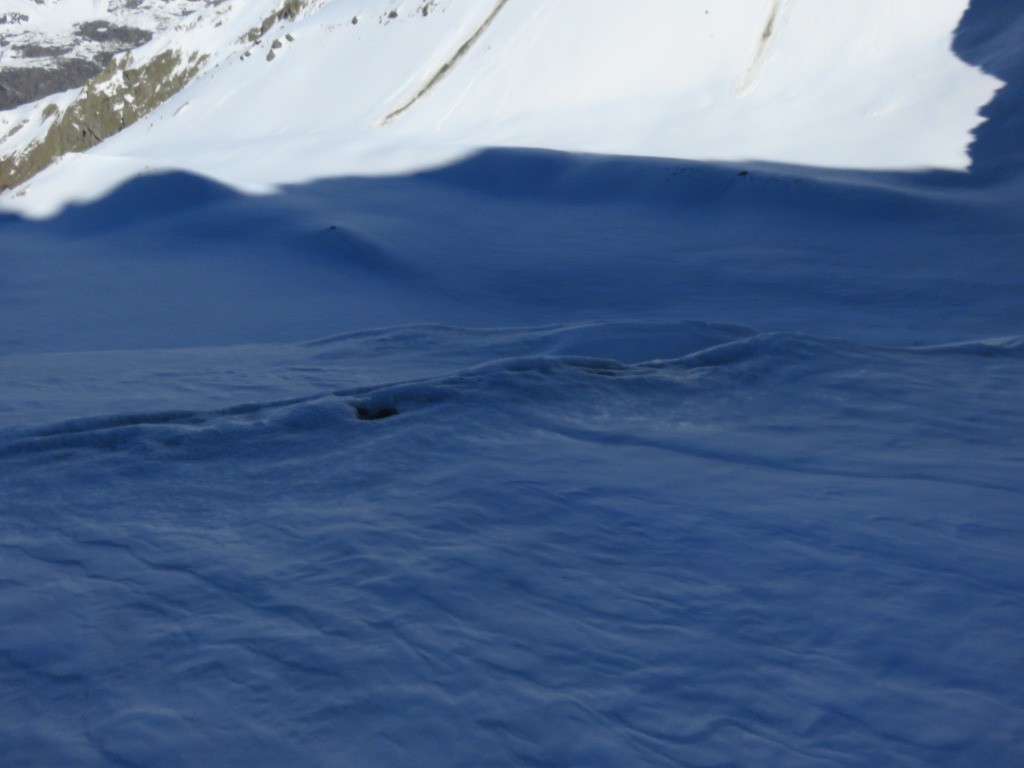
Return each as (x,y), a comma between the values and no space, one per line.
(988,37)
(516,238)
(524,237)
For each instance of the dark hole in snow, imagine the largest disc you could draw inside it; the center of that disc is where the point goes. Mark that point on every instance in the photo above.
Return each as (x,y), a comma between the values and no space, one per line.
(393,14)
(375,413)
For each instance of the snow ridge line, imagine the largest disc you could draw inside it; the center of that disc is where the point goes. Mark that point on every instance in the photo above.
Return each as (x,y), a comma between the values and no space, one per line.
(366,403)
(71,434)
(378,401)
(447,66)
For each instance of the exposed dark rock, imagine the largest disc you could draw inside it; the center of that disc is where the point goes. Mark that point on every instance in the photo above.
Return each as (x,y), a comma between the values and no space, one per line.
(24,84)
(287,12)
(291,10)
(104,32)
(21,85)
(31,51)
(99,113)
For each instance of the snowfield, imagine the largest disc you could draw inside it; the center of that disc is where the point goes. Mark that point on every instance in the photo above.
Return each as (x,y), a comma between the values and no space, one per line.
(373,87)
(569,409)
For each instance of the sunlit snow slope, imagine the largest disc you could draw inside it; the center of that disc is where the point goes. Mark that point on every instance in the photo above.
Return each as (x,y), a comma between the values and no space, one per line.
(378,85)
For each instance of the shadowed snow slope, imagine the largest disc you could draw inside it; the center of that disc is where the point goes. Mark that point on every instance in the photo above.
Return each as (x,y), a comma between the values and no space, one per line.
(512,238)
(989,36)
(537,458)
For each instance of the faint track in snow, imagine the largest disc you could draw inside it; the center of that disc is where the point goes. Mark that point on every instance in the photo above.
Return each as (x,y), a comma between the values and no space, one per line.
(752,73)
(447,67)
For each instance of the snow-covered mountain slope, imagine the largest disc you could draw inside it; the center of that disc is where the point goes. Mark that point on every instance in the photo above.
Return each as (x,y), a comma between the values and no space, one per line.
(533,458)
(48,46)
(38,31)
(374,86)
(55,23)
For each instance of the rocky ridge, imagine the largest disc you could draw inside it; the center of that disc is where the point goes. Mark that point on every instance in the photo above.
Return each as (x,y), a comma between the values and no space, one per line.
(125,65)
(49,46)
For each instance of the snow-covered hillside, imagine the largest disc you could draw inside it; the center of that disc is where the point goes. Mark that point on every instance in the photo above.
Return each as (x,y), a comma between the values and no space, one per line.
(48,46)
(370,86)
(628,396)
(36,29)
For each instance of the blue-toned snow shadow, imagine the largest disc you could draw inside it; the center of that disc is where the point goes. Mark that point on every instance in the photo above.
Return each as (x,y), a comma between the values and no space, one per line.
(778,548)
(517,237)
(513,237)
(989,36)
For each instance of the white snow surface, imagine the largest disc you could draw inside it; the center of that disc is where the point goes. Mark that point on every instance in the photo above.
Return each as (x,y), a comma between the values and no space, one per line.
(51,23)
(523,457)
(856,84)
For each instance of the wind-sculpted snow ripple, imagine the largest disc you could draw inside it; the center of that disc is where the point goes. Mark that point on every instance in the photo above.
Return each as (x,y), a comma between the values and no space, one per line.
(804,549)
(685,400)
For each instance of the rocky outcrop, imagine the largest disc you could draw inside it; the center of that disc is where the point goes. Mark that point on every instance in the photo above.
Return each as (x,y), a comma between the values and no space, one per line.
(26,84)
(111,101)
(116,93)
(287,12)
(40,58)
(57,71)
